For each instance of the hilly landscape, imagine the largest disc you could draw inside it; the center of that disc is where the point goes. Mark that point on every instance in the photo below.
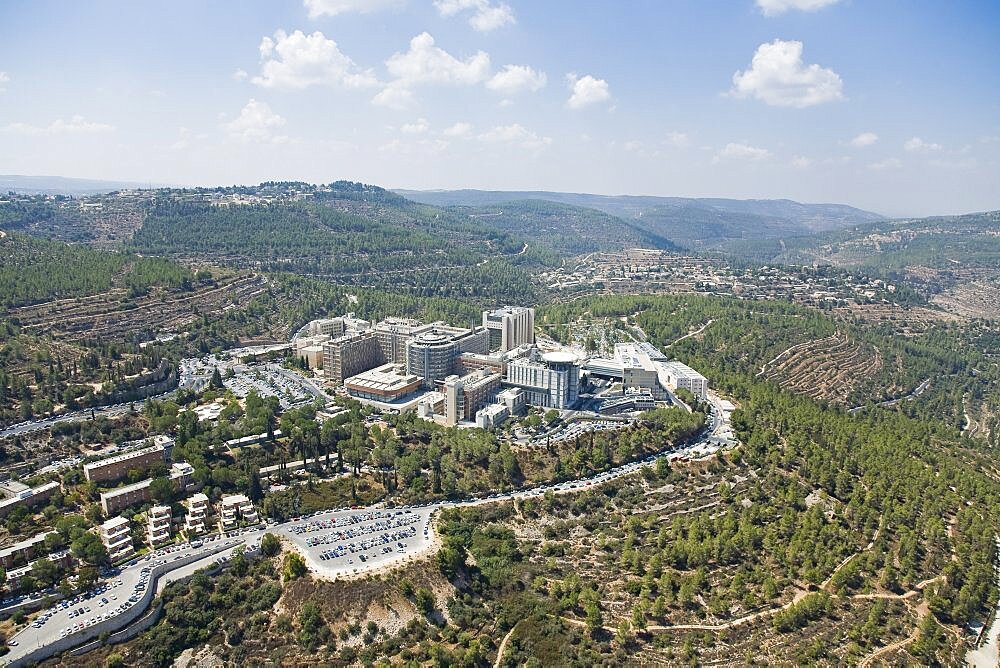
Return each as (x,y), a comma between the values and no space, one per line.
(691,222)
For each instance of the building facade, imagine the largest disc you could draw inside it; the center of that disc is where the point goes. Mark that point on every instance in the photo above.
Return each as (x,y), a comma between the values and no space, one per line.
(553,381)
(117,467)
(510,327)
(116,534)
(350,355)
(158,525)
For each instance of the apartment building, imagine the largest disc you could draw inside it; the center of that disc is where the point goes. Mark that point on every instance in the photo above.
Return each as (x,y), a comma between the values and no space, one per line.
(118,499)
(116,534)
(28,497)
(197,510)
(158,527)
(117,467)
(236,509)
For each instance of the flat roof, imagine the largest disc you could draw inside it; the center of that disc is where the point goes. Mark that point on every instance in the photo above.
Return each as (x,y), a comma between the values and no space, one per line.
(124,457)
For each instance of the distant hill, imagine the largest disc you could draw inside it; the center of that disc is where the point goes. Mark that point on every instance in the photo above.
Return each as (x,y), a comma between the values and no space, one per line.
(692,222)
(62,185)
(563,229)
(940,242)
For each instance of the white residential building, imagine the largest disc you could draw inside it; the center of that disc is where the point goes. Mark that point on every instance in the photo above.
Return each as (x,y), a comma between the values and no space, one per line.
(194,521)
(116,534)
(235,509)
(158,529)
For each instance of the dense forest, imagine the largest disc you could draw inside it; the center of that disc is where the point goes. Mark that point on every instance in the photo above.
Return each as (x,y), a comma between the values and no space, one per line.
(35,270)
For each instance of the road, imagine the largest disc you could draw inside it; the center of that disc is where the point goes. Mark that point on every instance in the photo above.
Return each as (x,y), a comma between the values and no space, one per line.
(332,542)
(129,587)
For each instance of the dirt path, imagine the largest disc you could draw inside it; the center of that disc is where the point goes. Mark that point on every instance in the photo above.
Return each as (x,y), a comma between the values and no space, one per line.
(503,645)
(694,333)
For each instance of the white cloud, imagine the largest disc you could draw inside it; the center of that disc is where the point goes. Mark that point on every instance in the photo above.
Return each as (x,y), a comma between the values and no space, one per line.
(587,90)
(183,140)
(394,96)
(888,163)
(297,60)
(677,139)
(256,123)
(418,127)
(458,130)
(75,125)
(486,16)
(514,134)
(240,74)
(738,151)
(775,7)
(4,78)
(425,63)
(778,77)
(318,8)
(514,79)
(801,162)
(915,144)
(864,139)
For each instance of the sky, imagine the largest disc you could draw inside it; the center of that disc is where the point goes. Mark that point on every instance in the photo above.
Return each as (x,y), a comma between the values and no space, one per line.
(888,105)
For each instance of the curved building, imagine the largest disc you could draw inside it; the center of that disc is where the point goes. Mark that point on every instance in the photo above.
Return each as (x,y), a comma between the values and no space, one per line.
(431,355)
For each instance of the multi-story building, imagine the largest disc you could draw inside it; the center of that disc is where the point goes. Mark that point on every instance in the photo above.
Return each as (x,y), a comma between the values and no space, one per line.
(679,376)
(393,333)
(197,509)
(510,327)
(551,381)
(350,355)
(29,497)
(492,416)
(24,551)
(117,467)
(116,534)
(431,355)
(387,383)
(513,399)
(120,498)
(235,509)
(158,527)
(466,395)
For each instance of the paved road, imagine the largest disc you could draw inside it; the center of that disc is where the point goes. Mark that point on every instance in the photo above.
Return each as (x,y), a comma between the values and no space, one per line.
(123,592)
(326,539)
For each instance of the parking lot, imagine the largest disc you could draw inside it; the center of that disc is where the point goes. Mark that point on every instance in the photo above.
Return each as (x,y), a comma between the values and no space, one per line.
(346,542)
(267,379)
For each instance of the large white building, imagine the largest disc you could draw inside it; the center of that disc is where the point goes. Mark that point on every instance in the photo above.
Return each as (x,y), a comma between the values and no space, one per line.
(194,521)
(236,508)
(551,381)
(679,376)
(510,327)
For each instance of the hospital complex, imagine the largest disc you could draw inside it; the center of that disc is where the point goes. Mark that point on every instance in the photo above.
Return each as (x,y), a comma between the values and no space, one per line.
(479,375)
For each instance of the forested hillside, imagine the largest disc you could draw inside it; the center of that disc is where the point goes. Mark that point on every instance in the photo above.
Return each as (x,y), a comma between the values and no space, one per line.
(564,229)
(35,270)
(689,222)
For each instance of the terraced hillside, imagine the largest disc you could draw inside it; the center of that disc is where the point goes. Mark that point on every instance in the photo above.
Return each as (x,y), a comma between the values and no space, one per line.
(826,369)
(113,315)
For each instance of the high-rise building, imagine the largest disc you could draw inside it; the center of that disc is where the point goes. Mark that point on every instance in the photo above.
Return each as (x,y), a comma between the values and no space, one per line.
(393,333)
(552,381)
(510,327)
(431,355)
(350,355)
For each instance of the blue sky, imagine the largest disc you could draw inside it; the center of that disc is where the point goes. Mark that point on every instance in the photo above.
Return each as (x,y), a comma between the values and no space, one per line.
(888,105)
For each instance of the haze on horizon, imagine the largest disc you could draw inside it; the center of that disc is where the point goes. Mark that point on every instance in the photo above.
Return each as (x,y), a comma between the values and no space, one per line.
(839,101)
